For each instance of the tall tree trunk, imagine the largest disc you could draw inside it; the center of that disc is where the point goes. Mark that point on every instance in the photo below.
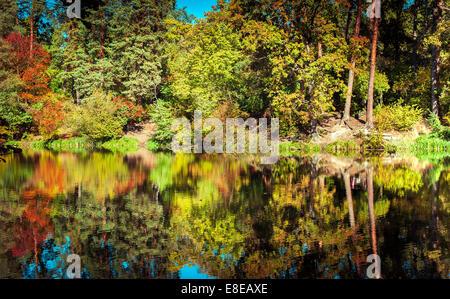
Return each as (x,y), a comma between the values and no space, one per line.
(435,59)
(373,61)
(351,75)
(102,38)
(31,30)
(414,58)
(349,19)
(319,50)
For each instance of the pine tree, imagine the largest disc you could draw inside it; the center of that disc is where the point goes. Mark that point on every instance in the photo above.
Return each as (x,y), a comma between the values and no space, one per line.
(137,44)
(8,17)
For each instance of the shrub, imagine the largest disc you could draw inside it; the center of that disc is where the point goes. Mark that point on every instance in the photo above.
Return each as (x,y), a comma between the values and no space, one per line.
(14,116)
(96,118)
(129,111)
(430,143)
(375,141)
(439,131)
(163,116)
(397,117)
(152,146)
(49,115)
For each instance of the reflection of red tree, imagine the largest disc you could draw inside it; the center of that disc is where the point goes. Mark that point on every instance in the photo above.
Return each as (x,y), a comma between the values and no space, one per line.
(135,178)
(35,223)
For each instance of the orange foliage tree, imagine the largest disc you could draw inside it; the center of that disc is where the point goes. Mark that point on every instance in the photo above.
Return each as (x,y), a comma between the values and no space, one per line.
(31,68)
(48,115)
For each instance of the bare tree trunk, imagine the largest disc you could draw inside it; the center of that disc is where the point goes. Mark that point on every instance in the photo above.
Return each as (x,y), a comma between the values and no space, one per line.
(435,59)
(351,76)
(319,50)
(373,60)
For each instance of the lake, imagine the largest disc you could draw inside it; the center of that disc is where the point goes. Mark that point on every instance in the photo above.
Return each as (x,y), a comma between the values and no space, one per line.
(152,216)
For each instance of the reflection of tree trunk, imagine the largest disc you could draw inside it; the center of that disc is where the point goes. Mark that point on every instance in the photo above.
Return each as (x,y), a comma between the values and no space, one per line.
(36,261)
(321,186)
(434,195)
(373,231)
(348,192)
(312,180)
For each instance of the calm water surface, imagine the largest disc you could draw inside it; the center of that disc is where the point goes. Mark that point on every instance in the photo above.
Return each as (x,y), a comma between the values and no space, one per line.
(185,216)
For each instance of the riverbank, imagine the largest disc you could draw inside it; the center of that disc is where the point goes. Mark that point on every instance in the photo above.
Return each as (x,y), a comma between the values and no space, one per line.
(333,137)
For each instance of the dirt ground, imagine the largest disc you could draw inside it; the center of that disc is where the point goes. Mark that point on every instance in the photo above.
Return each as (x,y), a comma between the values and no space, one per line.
(331,130)
(144,132)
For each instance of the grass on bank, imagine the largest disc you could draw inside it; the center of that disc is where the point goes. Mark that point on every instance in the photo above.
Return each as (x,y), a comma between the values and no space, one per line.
(122,145)
(298,148)
(81,144)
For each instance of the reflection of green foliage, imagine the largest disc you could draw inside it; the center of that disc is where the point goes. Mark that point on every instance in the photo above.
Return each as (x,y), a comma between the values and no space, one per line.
(123,145)
(229,217)
(381,209)
(14,175)
(161,175)
(342,148)
(298,148)
(398,179)
(80,144)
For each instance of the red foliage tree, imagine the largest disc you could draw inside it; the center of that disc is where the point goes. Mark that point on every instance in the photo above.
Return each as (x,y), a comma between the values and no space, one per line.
(49,116)
(30,66)
(129,110)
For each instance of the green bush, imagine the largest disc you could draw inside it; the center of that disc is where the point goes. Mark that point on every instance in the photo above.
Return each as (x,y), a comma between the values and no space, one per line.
(397,117)
(161,114)
(374,142)
(152,146)
(439,131)
(96,118)
(430,143)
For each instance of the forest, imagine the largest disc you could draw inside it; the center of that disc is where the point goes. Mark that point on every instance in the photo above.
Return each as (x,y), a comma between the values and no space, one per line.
(126,62)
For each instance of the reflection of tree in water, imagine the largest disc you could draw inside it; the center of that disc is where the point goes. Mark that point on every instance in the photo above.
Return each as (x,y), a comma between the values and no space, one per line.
(297,219)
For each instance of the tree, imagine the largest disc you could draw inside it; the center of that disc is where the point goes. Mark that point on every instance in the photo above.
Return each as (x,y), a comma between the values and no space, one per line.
(31,68)
(373,60)
(136,49)
(435,57)
(8,17)
(351,75)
